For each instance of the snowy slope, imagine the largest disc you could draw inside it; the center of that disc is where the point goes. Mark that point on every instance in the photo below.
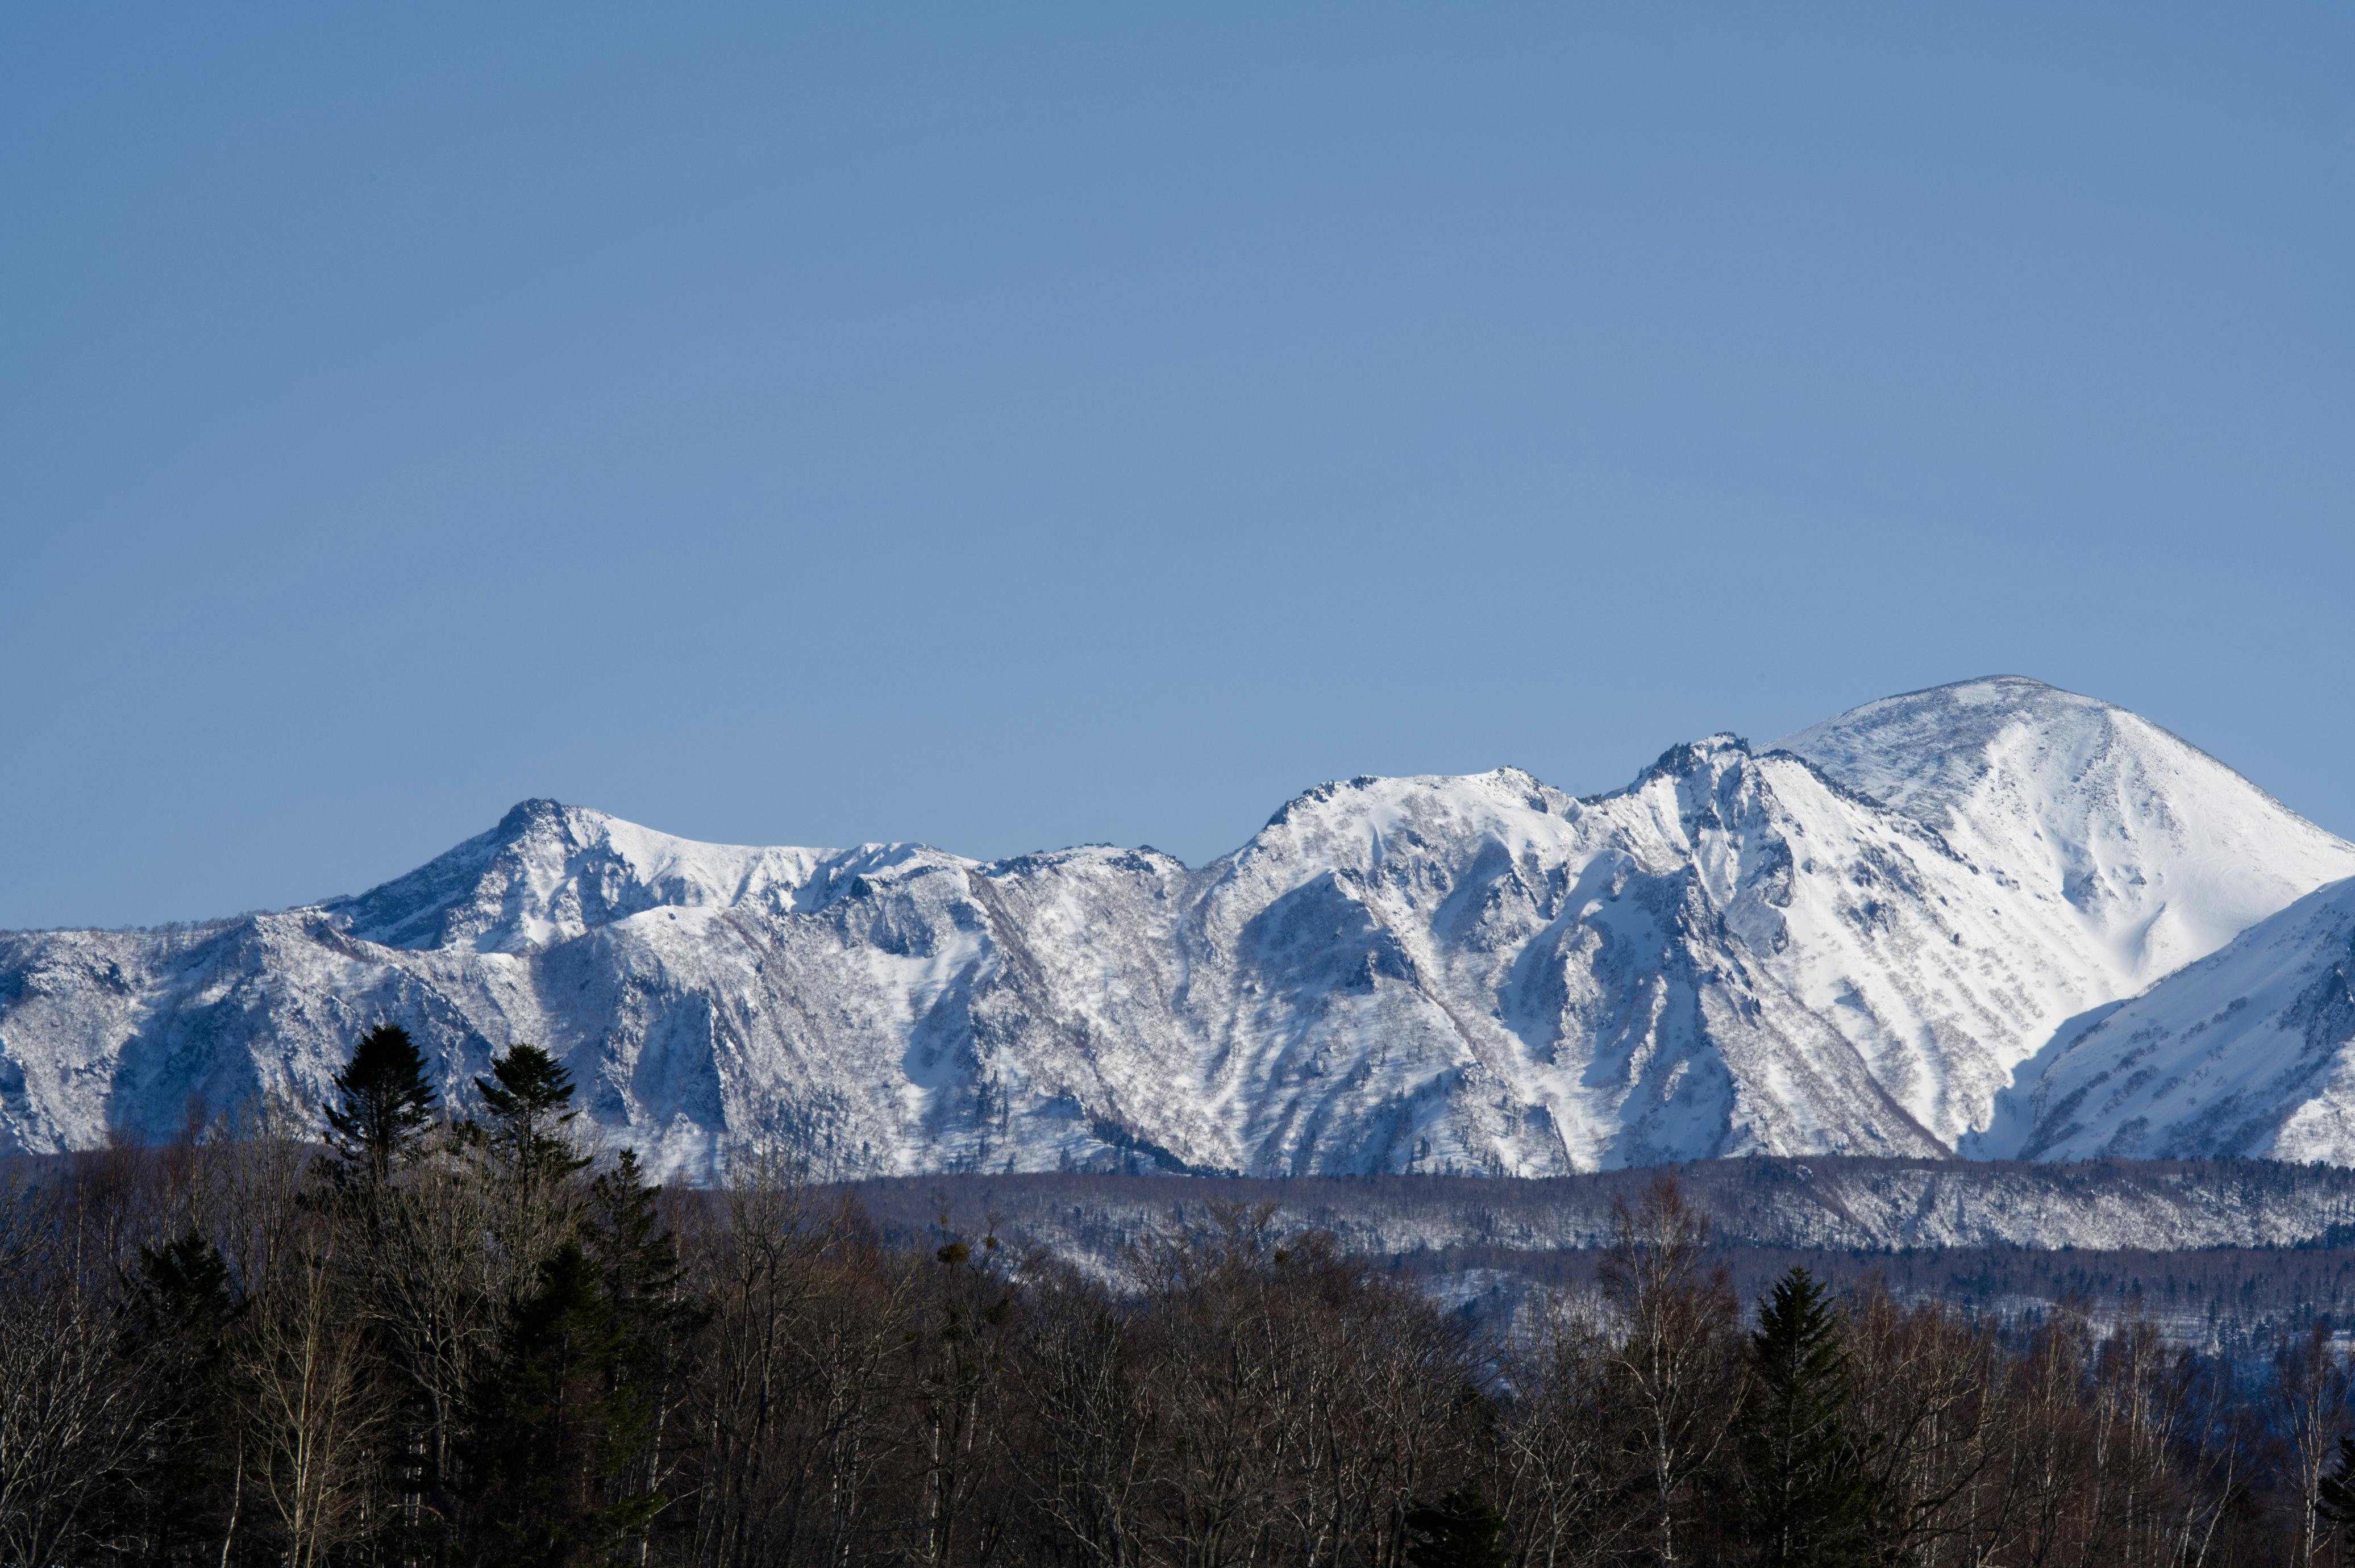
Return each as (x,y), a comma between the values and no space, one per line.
(2245,1053)
(1844,946)
(2118,853)
(2148,852)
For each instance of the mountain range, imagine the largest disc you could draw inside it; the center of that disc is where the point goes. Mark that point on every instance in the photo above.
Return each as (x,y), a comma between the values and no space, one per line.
(1993,919)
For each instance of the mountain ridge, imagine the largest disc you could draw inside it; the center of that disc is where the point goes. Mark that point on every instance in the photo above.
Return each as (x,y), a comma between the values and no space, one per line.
(1740,951)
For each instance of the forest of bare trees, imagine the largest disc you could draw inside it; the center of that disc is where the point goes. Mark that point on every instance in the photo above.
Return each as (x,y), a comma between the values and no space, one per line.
(423,1339)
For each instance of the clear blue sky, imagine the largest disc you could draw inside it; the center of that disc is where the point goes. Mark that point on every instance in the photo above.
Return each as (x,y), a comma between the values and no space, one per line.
(1014,426)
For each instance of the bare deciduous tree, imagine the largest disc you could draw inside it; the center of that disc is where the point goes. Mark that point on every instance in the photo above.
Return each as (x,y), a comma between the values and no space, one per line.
(1676,1354)
(70,1413)
(1565,1467)
(310,1410)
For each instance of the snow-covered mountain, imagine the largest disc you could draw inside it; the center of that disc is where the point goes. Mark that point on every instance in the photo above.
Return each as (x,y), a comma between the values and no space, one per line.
(1844,944)
(2150,851)
(2249,1052)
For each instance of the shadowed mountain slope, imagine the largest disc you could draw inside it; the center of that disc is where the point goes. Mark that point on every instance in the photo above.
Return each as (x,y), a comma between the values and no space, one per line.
(1845,945)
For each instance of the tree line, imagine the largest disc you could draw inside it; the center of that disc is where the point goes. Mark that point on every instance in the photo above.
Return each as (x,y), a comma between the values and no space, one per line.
(424,1339)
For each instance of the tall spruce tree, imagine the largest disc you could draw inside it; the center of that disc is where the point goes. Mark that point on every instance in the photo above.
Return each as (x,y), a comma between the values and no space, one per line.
(638,1268)
(626,1238)
(532,1161)
(387,1106)
(529,1097)
(541,1460)
(1804,1491)
(651,1316)
(176,1503)
(568,1424)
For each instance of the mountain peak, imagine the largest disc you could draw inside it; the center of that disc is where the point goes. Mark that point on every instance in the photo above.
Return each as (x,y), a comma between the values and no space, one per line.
(2163,851)
(1850,944)
(548,872)
(538,812)
(1927,752)
(1710,756)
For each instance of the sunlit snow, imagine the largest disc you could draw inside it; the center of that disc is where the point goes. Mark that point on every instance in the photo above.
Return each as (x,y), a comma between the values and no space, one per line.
(1868,939)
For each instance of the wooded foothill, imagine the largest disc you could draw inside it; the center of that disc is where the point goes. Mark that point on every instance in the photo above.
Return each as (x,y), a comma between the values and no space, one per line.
(430,1340)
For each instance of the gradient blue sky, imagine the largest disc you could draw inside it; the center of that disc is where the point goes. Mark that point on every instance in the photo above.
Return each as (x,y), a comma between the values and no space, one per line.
(1014,426)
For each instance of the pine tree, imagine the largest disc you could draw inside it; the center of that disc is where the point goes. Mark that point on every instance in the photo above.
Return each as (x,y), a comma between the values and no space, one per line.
(1805,1491)
(387,1109)
(651,1316)
(567,1461)
(182,1311)
(384,1126)
(529,1097)
(640,1259)
(538,1428)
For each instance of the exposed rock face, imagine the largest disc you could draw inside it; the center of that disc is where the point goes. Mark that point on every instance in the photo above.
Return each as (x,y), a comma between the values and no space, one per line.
(1846,944)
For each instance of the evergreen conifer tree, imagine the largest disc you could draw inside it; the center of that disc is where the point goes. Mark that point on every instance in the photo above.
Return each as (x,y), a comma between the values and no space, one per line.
(566,1462)
(529,1097)
(387,1106)
(650,1316)
(640,1259)
(1804,1488)
(181,1311)
(540,1430)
